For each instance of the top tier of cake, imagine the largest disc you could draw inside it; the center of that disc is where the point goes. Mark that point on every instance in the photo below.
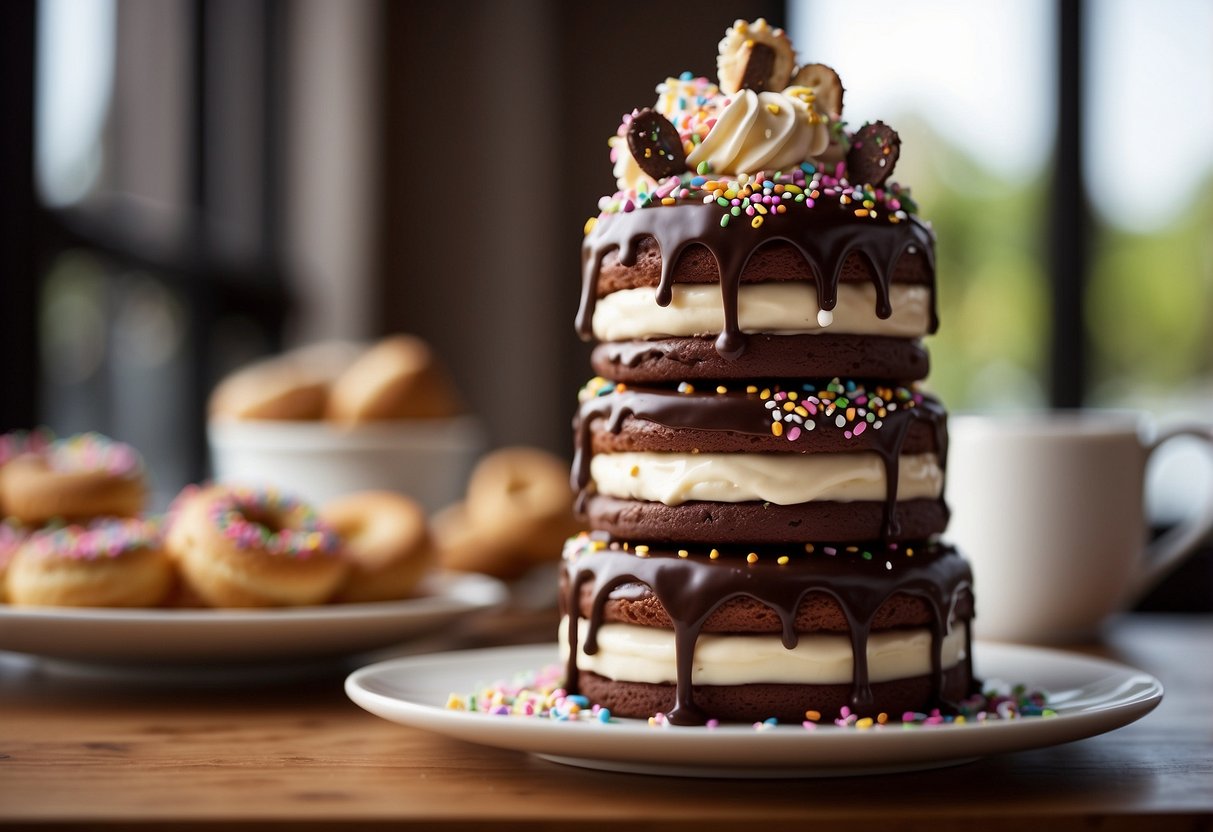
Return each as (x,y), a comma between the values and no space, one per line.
(753,235)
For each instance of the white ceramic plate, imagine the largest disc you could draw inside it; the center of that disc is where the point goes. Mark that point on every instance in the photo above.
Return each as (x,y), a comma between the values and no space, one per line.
(1091,696)
(151,637)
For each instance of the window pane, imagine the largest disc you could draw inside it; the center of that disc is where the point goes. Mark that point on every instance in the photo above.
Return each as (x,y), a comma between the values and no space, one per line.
(969,87)
(1149,157)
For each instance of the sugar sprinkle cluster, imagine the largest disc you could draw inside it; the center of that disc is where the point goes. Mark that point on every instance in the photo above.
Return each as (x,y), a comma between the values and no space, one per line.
(538,694)
(300,533)
(854,407)
(752,199)
(94,452)
(541,695)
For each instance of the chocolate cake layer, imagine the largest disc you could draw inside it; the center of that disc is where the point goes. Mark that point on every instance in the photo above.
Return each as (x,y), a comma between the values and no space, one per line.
(687,243)
(714,523)
(663,420)
(817,613)
(787,703)
(691,589)
(672,360)
(775,261)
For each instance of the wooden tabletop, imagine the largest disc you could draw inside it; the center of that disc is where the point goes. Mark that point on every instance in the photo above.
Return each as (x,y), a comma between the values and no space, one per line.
(80,751)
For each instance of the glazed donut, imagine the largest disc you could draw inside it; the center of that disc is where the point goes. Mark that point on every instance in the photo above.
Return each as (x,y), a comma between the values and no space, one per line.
(519,512)
(11,537)
(398,378)
(75,479)
(385,539)
(465,548)
(108,563)
(271,389)
(243,547)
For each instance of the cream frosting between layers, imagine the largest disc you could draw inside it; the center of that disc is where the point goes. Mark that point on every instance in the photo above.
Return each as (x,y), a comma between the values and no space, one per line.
(627,652)
(784,308)
(783,479)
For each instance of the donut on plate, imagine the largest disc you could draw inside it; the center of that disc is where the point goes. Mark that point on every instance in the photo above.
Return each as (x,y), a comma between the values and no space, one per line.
(386,541)
(75,479)
(518,513)
(246,547)
(117,562)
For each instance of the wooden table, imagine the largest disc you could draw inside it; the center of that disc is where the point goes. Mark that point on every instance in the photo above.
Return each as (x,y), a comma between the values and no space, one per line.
(79,753)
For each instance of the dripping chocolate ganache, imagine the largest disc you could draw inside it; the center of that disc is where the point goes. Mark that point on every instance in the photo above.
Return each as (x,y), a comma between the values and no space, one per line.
(760,473)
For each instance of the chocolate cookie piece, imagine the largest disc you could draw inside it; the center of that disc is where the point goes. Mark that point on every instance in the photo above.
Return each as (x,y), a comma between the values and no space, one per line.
(671,360)
(757,64)
(755,523)
(787,703)
(775,261)
(873,154)
(826,85)
(655,144)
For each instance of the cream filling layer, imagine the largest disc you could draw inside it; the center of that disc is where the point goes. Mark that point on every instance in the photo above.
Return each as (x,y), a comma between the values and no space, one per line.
(783,479)
(630,653)
(784,308)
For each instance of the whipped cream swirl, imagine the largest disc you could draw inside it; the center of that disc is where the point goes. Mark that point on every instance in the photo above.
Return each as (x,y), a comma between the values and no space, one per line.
(763,131)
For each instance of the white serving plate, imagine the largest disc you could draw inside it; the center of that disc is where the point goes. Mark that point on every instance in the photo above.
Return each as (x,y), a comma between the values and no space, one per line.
(156,637)
(1090,696)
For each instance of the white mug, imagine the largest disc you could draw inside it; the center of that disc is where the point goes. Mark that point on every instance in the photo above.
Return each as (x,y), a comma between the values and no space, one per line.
(1049,509)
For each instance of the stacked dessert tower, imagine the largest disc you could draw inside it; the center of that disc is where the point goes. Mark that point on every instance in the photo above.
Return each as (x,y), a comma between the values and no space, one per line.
(761,475)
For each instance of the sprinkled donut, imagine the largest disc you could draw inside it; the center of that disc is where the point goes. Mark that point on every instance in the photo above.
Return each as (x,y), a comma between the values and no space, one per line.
(75,479)
(244,547)
(108,563)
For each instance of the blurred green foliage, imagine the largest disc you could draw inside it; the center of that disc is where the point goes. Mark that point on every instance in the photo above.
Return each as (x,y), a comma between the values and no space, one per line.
(1149,303)
(1150,306)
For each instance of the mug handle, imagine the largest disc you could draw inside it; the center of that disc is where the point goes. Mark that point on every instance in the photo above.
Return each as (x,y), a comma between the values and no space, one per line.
(1166,553)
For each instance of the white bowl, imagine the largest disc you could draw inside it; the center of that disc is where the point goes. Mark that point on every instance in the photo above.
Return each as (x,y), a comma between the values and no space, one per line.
(429,460)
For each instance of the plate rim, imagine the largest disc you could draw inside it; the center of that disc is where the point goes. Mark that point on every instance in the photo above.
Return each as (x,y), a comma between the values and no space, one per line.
(787,739)
(152,642)
(451,585)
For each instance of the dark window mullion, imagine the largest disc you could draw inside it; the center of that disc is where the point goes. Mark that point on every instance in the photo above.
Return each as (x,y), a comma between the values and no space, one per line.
(1069,219)
(20,226)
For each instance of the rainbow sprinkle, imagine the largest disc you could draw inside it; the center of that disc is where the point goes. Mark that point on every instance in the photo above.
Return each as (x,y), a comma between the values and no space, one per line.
(541,695)
(106,538)
(534,694)
(768,193)
(301,533)
(853,407)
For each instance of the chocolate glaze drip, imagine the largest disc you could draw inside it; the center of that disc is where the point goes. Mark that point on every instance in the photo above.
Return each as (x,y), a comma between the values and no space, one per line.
(744,413)
(692,588)
(824,235)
